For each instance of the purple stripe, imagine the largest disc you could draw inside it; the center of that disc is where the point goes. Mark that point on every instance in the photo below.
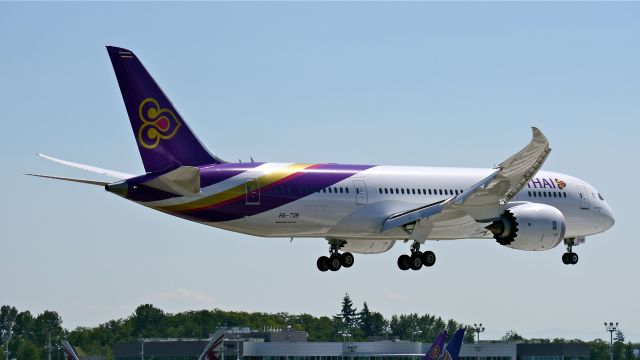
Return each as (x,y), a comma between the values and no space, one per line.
(306,184)
(214,174)
(209,175)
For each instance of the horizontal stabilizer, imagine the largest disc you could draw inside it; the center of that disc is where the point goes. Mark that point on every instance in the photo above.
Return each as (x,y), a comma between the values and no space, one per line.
(184,180)
(84,181)
(94,169)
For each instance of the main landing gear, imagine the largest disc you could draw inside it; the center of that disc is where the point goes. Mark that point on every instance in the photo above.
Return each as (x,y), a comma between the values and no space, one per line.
(335,260)
(417,259)
(569,258)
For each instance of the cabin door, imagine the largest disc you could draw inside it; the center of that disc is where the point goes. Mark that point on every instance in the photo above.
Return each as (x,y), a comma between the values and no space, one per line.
(361,192)
(252,188)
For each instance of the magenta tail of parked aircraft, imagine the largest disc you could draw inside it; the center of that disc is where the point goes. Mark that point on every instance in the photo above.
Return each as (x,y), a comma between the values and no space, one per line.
(364,209)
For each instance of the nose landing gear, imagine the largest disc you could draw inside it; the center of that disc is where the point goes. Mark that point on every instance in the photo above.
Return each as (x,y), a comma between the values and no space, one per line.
(335,260)
(569,258)
(417,259)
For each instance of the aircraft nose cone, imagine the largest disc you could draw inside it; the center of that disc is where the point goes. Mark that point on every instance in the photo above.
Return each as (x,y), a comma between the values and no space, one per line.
(606,218)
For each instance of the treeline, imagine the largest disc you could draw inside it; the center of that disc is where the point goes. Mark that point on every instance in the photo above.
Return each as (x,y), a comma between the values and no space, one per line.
(27,335)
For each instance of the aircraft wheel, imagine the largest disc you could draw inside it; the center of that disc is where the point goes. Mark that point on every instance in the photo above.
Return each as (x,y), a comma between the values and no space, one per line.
(565,258)
(323,263)
(334,262)
(573,258)
(428,258)
(404,262)
(346,259)
(416,262)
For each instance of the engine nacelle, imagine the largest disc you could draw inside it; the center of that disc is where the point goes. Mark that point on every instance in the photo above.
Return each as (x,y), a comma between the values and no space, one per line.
(367,246)
(529,227)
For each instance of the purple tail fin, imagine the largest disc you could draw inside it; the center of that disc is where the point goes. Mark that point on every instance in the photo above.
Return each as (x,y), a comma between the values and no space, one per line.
(435,351)
(163,138)
(454,345)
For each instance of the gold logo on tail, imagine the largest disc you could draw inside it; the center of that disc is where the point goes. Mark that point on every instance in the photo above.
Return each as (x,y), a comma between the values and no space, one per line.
(157,123)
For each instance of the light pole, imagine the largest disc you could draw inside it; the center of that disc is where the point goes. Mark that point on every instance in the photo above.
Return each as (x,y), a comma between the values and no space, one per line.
(141,348)
(6,338)
(414,333)
(478,328)
(611,328)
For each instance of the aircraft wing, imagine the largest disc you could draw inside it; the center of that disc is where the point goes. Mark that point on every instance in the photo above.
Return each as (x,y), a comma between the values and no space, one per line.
(484,201)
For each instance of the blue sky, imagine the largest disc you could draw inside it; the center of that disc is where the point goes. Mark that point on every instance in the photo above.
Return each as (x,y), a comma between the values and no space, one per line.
(456,84)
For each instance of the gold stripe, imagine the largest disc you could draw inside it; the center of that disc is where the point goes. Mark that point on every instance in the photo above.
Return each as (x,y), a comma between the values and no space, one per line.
(238,190)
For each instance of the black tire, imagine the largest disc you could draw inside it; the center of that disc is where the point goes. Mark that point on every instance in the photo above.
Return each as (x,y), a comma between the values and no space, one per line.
(404,262)
(428,258)
(334,262)
(416,262)
(573,259)
(346,259)
(565,258)
(323,263)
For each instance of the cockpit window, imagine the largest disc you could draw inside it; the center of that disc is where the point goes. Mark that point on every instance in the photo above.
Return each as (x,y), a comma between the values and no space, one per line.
(600,196)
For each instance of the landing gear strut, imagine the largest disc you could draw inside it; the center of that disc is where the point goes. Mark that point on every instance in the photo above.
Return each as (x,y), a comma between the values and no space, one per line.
(569,258)
(417,259)
(335,260)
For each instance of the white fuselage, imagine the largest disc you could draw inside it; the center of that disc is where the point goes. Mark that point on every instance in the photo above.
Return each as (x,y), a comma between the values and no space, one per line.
(355,207)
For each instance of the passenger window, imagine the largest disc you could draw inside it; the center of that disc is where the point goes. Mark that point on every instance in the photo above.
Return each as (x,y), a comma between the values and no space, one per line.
(450,191)
(429,191)
(539,194)
(402,190)
(413,191)
(340,189)
(386,191)
(346,190)
(380,190)
(397,191)
(419,192)
(555,194)
(424,192)
(440,191)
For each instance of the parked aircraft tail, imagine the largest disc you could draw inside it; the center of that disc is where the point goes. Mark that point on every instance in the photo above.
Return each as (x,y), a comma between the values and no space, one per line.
(452,351)
(69,351)
(210,352)
(163,137)
(435,351)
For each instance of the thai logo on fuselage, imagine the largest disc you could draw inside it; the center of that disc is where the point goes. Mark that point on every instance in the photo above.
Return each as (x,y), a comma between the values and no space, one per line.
(546,183)
(157,123)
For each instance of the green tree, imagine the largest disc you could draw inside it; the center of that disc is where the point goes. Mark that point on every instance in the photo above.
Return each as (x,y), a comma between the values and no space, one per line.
(8,316)
(365,320)
(348,314)
(148,321)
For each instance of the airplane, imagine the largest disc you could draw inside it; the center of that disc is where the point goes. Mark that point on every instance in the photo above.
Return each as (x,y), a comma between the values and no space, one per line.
(69,352)
(212,349)
(437,351)
(361,209)
(452,351)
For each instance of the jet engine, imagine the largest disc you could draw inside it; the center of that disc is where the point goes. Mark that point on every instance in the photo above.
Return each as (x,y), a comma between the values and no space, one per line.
(367,246)
(529,227)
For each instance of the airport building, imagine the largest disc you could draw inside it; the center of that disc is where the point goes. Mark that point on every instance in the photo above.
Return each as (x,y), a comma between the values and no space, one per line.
(293,346)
